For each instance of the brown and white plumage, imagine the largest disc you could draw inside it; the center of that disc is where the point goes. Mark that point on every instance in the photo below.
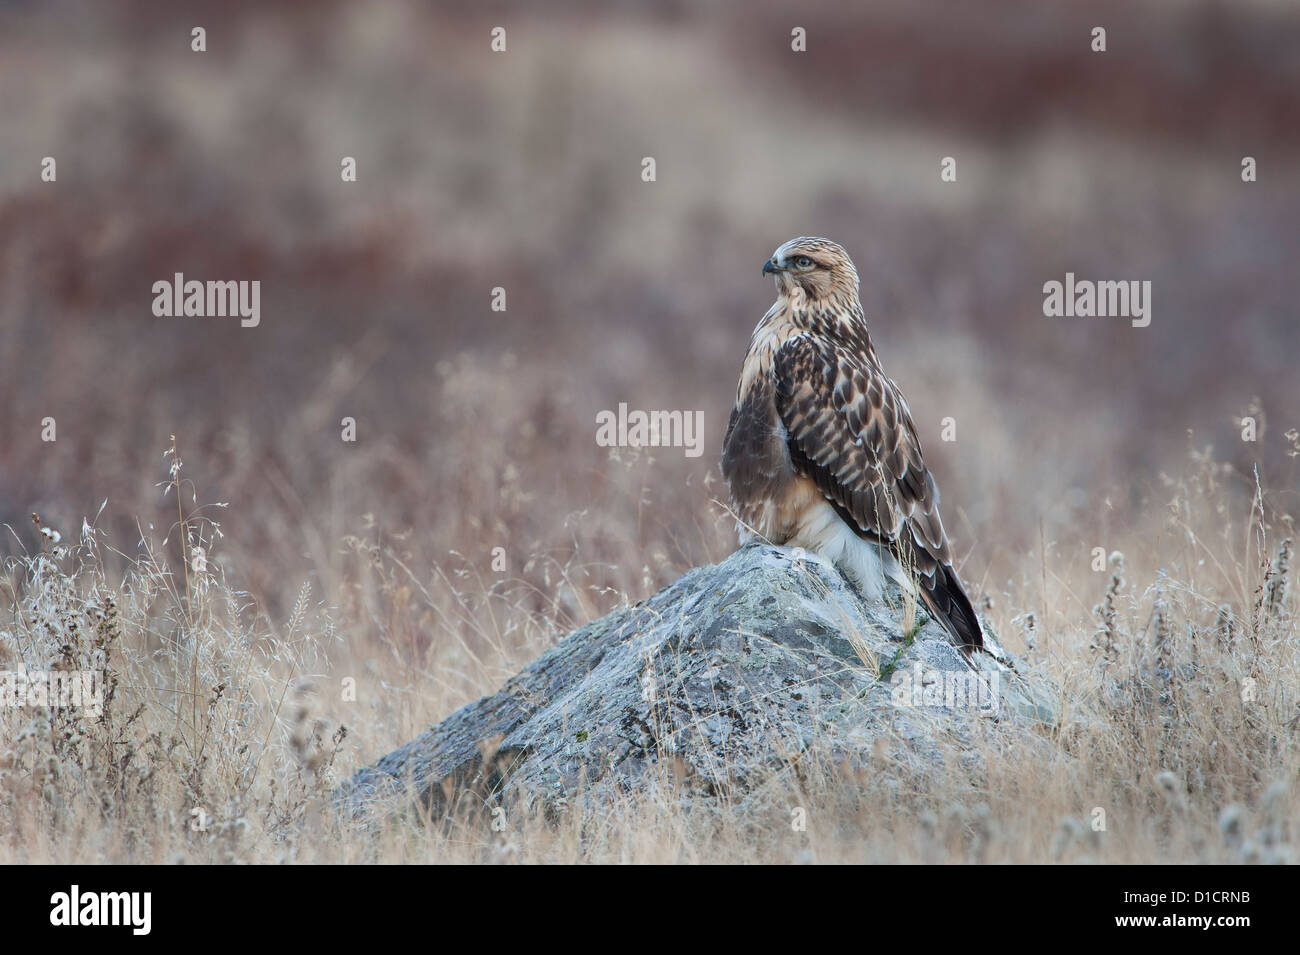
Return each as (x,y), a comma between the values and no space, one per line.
(821,452)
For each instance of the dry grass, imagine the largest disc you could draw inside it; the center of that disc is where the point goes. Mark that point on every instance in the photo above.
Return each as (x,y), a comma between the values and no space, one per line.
(223,733)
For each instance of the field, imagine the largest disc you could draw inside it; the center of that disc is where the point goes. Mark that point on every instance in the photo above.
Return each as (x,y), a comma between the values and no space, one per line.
(277,606)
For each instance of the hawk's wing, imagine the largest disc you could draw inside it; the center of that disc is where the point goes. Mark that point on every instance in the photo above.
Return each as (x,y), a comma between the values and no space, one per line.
(849,430)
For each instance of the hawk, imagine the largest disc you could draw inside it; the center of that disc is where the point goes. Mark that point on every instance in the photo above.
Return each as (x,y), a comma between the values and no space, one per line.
(821,452)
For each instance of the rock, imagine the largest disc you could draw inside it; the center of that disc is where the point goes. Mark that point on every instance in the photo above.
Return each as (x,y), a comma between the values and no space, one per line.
(728,675)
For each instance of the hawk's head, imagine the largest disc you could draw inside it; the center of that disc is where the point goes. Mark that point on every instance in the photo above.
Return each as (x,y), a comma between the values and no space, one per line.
(818,268)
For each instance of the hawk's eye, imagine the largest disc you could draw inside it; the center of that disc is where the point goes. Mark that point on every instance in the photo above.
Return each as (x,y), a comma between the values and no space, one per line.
(804,262)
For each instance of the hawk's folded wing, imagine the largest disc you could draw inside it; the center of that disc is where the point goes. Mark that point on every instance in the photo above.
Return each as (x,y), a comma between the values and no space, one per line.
(849,430)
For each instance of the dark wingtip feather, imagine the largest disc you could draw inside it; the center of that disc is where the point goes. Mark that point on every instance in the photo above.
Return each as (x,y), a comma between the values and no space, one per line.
(947,598)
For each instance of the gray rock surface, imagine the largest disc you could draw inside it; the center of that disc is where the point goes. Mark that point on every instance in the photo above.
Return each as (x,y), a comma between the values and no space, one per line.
(729,674)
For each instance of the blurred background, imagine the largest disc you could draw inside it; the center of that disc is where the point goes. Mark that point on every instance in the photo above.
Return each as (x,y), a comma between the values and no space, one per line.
(522,169)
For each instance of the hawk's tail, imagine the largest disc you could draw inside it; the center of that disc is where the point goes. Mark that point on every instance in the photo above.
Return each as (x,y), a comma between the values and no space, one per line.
(946,597)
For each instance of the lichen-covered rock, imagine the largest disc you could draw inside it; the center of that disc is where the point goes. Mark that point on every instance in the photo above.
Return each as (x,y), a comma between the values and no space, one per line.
(730,673)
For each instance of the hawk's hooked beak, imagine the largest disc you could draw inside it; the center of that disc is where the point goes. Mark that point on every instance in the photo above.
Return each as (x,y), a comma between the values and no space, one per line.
(770,266)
